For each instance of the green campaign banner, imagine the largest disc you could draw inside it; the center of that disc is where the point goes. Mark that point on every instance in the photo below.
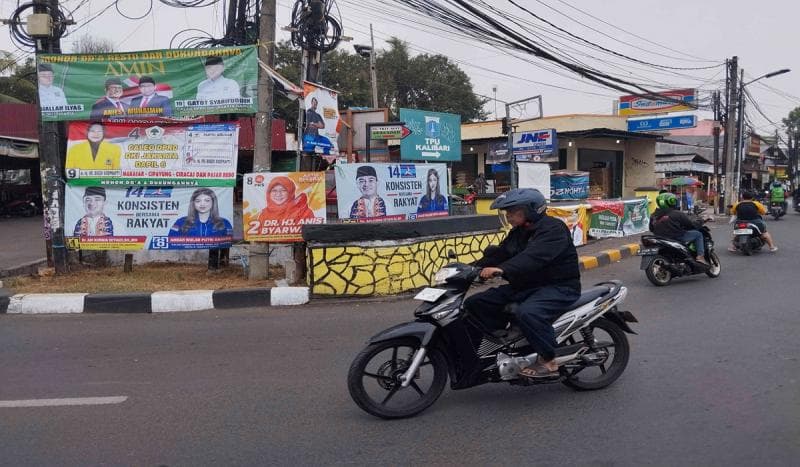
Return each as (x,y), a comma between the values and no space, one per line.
(636,218)
(434,136)
(153,83)
(606,220)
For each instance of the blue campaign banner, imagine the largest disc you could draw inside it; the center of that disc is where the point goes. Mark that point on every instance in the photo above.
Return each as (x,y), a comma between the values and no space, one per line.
(569,185)
(534,146)
(662,123)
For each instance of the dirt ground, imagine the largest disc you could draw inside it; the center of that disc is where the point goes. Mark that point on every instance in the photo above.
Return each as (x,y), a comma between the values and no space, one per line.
(153,277)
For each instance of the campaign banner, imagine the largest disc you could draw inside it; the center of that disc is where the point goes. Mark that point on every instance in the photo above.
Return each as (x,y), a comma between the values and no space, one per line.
(535,146)
(498,152)
(577,219)
(148,218)
(278,205)
(156,153)
(606,220)
(636,218)
(435,136)
(152,83)
(321,122)
(382,192)
(566,185)
(679,100)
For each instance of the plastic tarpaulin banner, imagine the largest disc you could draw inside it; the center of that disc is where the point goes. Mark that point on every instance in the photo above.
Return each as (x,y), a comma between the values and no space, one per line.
(637,217)
(175,154)
(534,175)
(435,136)
(148,217)
(565,185)
(577,219)
(278,205)
(321,130)
(381,192)
(152,83)
(606,218)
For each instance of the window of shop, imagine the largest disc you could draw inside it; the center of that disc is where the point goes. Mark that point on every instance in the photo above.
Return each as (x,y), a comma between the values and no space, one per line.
(605,172)
(465,170)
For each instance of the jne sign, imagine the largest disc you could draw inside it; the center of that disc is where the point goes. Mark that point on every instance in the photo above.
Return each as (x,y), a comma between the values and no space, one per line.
(529,144)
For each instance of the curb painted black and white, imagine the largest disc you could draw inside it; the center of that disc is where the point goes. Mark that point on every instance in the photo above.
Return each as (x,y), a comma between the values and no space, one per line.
(156,302)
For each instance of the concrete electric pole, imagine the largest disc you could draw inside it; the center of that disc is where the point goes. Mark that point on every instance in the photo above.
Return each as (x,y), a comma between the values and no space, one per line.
(262,156)
(730,133)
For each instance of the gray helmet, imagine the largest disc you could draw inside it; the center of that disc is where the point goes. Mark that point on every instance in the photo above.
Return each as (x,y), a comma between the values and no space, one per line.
(532,199)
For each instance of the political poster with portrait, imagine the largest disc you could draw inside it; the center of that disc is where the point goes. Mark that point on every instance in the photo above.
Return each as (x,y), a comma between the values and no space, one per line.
(382,192)
(321,122)
(152,83)
(277,205)
(577,219)
(156,153)
(148,218)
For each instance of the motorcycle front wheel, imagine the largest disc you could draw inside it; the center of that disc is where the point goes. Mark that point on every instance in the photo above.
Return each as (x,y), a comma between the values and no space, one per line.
(657,271)
(605,362)
(375,385)
(716,267)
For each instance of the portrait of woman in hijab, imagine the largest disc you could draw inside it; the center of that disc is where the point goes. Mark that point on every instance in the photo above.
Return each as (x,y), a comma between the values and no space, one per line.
(283,203)
(95,153)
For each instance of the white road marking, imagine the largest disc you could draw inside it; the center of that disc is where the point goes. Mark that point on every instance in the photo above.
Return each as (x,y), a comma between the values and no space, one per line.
(64,402)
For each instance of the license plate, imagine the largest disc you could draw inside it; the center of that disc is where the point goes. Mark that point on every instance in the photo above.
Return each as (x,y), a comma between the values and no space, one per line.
(429,294)
(743,231)
(647,252)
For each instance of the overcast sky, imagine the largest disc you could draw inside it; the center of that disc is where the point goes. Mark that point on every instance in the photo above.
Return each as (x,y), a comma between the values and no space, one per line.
(760,33)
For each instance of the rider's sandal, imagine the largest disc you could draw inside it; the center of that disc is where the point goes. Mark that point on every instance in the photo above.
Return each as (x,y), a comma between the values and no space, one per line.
(537,371)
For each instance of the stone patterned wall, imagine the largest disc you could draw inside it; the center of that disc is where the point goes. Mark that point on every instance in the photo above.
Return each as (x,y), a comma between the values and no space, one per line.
(389,267)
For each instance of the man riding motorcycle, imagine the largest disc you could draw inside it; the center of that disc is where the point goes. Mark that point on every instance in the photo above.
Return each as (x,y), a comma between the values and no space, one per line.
(777,194)
(667,221)
(540,263)
(752,211)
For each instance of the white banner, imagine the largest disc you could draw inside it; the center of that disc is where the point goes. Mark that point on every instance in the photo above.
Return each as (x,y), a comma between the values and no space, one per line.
(148,217)
(535,175)
(378,192)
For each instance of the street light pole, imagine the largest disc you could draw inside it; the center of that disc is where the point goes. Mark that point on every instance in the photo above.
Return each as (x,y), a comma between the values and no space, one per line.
(372,71)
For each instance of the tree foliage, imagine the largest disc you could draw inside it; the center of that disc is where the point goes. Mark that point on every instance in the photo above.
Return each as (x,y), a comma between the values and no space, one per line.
(88,44)
(20,85)
(428,82)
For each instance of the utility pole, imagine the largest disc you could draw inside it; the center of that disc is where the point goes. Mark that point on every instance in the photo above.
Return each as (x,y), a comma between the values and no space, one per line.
(730,132)
(262,156)
(740,152)
(716,130)
(372,69)
(51,154)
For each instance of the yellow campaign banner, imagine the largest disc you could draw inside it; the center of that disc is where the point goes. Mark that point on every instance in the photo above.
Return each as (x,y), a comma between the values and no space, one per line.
(577,219)
(277,205)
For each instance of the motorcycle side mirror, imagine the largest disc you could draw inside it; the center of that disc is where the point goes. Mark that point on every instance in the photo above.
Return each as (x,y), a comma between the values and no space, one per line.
(451,254)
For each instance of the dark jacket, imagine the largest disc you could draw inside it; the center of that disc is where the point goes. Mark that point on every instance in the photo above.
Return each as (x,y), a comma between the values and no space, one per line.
(671,223)
(537,256)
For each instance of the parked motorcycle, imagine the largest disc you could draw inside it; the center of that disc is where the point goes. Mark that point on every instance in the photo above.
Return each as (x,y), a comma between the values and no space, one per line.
(404,369)
(747,237)
(664,259)
(19,208)
(776,210)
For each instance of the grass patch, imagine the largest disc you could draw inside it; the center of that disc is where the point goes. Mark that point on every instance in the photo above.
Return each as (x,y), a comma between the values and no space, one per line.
(152,277)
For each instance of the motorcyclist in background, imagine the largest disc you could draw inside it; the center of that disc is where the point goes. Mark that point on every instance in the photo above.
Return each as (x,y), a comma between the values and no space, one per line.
(752,211)
(777,194)
(667,221)
(540,263)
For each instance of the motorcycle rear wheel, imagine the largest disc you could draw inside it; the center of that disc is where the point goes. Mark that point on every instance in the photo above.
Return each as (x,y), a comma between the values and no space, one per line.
(598,376)
(374,379)
(744,246)
(656,271)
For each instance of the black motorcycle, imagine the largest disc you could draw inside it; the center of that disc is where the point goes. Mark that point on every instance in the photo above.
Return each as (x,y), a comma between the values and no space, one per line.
(747,237)
(404,369)
(777,209)
(664,259)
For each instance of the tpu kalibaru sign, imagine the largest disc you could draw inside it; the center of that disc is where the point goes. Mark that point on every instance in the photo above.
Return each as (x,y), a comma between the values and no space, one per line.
(435,136)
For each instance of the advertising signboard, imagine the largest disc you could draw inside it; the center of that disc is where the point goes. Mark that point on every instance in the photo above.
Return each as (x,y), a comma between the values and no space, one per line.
(278,205)
(175,154)
(148,217)
(680,100)
(566,185)
(662,123)
(535,146)
(152,83)
(380,192)
(435,136)
(321,130)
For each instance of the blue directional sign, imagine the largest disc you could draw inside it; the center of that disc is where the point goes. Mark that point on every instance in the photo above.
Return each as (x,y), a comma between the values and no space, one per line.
(662,123)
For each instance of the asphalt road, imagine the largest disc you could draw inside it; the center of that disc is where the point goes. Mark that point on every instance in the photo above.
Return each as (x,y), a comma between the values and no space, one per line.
(712,380)
(22,239)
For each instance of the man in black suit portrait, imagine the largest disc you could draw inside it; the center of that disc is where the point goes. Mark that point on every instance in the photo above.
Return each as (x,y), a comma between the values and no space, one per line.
(150,103)
(110,105)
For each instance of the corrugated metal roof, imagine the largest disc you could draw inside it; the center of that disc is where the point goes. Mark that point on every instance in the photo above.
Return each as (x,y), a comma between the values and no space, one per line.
(19,121)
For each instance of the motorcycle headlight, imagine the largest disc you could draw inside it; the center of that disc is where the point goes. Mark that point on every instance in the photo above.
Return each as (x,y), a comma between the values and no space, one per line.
(443,274)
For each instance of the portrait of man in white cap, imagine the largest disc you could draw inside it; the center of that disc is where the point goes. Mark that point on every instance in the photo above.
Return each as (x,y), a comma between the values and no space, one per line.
(369,204)
(217,86)
(49,95)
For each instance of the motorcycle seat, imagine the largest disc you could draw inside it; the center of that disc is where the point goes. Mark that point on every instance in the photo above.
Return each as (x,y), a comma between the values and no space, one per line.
(591,294)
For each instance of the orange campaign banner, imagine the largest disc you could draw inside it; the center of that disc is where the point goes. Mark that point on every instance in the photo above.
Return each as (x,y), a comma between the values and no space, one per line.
(278,205)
